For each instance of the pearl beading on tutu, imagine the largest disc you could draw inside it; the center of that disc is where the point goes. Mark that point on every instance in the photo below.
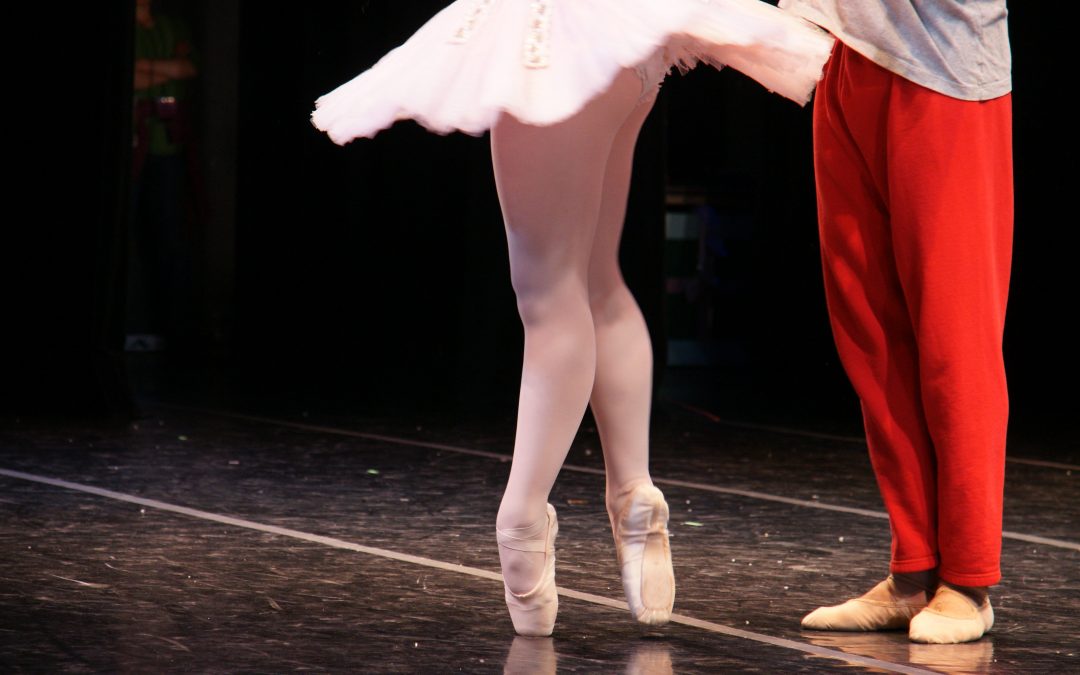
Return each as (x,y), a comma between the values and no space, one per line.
(472,20)
(536,41)
(537,37)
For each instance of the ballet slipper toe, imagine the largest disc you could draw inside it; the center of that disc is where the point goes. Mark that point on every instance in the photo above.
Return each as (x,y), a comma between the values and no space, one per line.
(951,618)
(533,613)
(860,615)
(867,613)
(644,554)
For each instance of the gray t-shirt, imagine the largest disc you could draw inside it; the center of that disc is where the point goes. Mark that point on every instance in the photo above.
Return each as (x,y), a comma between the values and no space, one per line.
(959,47)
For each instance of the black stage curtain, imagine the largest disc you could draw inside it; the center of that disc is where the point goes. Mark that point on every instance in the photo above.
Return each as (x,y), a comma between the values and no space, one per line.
(70,96)
(378,271)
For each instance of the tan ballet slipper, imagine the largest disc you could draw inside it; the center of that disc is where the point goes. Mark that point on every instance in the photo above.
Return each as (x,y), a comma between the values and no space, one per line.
(951,617)
(883,608)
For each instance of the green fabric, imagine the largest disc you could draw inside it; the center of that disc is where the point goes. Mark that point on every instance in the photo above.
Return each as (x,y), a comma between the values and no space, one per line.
(162,41)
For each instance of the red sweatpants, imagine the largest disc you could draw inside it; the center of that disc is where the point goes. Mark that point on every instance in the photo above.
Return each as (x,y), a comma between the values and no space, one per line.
(915,214)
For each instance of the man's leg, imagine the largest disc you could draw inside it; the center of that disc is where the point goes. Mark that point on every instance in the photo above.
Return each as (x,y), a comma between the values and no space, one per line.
(951,184)
(873,332)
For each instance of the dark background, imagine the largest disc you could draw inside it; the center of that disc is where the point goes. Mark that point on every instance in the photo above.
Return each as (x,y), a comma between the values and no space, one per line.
(375,276)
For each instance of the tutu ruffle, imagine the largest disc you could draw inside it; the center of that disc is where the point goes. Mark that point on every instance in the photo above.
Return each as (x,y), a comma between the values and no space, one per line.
(543,60)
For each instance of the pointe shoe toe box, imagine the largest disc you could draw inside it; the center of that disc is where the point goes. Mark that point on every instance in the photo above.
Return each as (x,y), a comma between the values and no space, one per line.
(533,616)
(641,539)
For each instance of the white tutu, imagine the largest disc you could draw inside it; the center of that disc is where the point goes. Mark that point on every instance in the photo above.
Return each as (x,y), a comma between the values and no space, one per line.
(543,60)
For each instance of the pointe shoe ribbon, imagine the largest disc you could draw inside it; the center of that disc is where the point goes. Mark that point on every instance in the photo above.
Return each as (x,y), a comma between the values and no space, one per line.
(533,613)
(644,554)
(950,618)
(868,613)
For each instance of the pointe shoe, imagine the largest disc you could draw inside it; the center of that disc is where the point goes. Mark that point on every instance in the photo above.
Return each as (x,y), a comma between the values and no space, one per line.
(533,613)
(868,612)
(951,617)
(644,554)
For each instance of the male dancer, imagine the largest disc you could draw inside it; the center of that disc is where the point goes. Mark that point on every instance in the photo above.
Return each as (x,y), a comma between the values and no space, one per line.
(912,145)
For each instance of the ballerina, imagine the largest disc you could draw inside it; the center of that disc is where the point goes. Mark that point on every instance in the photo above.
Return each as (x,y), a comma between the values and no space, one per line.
(564,87)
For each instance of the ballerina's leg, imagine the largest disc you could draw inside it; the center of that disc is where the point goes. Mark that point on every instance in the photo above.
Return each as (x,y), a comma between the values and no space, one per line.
(622,398)
(550,182)
(622,390)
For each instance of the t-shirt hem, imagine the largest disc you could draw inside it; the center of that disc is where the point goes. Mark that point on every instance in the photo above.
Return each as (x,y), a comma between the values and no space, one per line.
(983,91)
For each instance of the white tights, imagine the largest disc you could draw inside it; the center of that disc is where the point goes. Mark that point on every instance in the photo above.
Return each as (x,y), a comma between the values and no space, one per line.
(563,190)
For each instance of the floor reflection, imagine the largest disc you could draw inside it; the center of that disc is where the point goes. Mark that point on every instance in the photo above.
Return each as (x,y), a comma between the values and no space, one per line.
(893,646)
(889,646)
(531,655)
(537,656)
(971,657)
(650,659)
